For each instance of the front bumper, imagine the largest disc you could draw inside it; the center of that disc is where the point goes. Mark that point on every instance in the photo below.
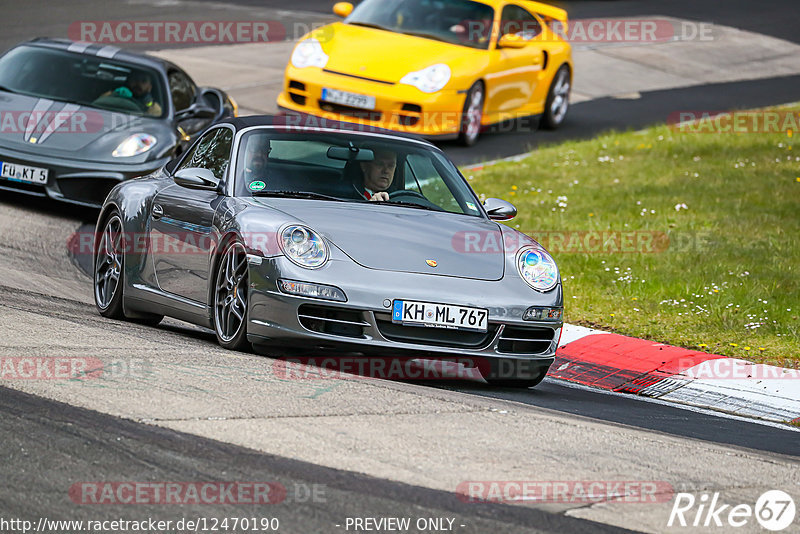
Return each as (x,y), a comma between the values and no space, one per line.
(75,181)
(363,325)
(398,107)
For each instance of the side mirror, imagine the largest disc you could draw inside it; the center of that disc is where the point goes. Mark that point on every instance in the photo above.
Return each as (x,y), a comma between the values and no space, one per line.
(499,210)
(342,9)
(196,111)
(196,178)
(512,40)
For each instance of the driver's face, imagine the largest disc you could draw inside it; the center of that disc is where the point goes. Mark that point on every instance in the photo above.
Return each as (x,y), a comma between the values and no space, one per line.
(379,173)
(141,85)
(257,162)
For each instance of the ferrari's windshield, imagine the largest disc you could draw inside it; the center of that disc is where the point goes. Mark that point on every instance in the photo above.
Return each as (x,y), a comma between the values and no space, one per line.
(350,168)
(83,79)
(454,21)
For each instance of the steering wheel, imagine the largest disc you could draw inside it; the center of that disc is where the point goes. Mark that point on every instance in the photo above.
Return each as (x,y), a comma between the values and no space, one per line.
(118,103)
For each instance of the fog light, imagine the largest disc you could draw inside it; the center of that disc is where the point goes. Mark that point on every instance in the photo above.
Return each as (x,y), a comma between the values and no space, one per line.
(314,291)
(542,314)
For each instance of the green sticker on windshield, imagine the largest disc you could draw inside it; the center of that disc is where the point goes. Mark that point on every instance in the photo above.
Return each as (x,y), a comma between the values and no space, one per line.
(258,185)
(471,206)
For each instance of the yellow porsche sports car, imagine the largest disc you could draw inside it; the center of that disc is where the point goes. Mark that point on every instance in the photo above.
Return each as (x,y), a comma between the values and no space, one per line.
(437,68)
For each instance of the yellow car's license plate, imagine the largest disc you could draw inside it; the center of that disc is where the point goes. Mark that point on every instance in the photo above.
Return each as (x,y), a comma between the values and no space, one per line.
(346,98)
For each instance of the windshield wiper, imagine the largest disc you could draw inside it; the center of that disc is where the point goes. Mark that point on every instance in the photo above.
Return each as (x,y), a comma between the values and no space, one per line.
(295,194)
(371,25)
(427,36)
(404,204)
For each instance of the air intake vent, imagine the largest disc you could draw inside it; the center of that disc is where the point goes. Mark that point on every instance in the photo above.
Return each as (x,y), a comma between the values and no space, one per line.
(515,340)
(330,320)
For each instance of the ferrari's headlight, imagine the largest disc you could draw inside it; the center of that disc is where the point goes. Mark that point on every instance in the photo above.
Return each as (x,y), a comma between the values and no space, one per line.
(537,268)
(429,80)
(309,53)
(304,247)
(134,145)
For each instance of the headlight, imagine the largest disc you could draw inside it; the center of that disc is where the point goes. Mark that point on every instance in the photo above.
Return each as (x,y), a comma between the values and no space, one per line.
(309,53)
(134,145)
(304,247)
(537,268)
(429,80)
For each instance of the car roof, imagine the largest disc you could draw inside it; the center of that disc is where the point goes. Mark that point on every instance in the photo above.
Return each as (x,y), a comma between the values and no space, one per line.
(101,50)
(311,123)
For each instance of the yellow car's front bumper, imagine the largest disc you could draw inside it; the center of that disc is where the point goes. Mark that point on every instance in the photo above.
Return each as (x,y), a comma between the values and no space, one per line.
(397,106)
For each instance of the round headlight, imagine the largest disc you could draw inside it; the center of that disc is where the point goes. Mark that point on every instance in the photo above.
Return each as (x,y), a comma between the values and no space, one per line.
(429,80)
(304,247)
(309,53)
(537,268)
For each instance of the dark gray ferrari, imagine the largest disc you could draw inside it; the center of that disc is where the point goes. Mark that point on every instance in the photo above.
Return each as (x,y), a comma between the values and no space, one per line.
(329,238)
(78,118)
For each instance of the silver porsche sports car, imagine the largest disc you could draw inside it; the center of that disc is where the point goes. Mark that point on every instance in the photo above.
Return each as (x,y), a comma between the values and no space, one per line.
(329,238)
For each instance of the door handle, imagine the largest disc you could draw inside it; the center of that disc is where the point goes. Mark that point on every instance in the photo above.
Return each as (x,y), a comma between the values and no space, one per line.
(157,212)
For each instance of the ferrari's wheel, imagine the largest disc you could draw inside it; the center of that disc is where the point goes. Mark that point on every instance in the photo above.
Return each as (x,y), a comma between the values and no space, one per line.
(108,274)
(557,105)
(472,115)
(230,297)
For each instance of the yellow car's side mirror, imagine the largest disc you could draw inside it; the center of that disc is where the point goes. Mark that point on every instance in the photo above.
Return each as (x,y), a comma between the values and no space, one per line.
(343,9)
(512,40)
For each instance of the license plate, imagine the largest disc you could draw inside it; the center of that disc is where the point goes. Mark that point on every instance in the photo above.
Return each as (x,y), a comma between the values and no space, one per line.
(353,100)
(23,173)
(411,313)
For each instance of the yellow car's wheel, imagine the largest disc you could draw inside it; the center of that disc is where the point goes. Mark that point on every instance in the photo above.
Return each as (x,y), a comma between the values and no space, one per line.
(472,115)
(557,104)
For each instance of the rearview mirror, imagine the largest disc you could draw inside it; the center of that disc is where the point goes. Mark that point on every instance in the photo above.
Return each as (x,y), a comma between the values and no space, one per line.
(499,210)
(352,153)
(196,178)
(343,9)
(512,40)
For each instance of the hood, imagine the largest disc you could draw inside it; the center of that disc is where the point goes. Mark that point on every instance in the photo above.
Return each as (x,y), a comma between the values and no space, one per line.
(391,238)
(388,56)
(33,124)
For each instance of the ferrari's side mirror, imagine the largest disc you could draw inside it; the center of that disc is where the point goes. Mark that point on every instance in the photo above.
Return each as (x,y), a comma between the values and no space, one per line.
(343,9)
(499,210)
(512,40)
(196,178)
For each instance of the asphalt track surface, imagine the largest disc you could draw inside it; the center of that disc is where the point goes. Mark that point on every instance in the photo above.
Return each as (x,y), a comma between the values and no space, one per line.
(44,442)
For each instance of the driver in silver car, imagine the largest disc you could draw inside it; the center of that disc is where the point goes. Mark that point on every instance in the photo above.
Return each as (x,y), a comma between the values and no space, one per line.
(378,175)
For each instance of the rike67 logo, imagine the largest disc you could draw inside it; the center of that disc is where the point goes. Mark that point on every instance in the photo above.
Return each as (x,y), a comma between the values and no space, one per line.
(774,510)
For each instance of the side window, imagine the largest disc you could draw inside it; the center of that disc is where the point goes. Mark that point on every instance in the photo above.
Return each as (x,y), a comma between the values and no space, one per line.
(421,176)
(212,152)
(518,21)
(182,89)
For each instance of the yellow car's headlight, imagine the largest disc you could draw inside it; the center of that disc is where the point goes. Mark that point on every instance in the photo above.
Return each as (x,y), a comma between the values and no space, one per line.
(309,53)
(429,80)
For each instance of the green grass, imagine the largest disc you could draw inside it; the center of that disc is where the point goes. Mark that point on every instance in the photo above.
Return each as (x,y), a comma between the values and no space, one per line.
(729,280)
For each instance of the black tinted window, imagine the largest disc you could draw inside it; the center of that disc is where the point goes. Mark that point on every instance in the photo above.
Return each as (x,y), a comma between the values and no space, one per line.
(182,90)
(83,79)
(518,21)
(212,152)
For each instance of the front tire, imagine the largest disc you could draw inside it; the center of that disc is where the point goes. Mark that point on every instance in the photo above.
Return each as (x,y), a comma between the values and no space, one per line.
(230,297)
(557,103)
(472,115)
(108,268)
